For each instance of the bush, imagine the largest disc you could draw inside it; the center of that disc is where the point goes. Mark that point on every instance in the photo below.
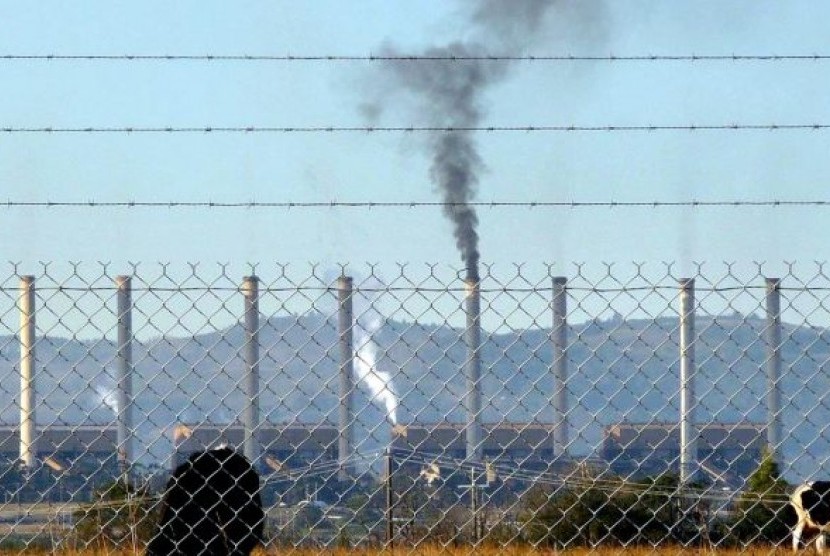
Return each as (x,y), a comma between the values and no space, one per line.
(120,517)
(763,513)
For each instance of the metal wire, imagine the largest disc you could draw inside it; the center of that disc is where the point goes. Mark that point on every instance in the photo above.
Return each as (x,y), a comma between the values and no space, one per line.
(139,130)
(772,203)
(395,468)
(416,58)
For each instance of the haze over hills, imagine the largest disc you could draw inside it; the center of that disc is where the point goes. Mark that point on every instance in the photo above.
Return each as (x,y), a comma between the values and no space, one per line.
(620,370)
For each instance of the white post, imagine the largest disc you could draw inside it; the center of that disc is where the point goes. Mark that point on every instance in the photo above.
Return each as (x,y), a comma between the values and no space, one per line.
(345,331)
(472,398)
(559,339)
(688,404)
(124,357)
(28,448)
(773,345)
(250,413)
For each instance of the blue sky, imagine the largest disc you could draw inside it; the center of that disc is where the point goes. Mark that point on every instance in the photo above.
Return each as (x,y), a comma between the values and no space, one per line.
(667,166)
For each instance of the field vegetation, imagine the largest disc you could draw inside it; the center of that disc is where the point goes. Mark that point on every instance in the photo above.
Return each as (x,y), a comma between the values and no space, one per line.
(597,518)
(437,550)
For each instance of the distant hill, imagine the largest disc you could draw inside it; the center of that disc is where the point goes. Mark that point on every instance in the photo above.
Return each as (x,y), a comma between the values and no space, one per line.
(620,370)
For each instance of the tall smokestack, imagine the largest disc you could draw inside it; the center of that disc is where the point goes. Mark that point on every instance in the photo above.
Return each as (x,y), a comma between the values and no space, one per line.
(688,401)
(28,449)
(345,332)
(772,335)
(472,367)
(250,382)
(443,88)
(559,337)
(124,357)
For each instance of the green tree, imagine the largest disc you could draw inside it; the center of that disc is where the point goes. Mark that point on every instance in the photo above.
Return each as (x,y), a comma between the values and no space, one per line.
(613,511)
(762,507)
(613,514)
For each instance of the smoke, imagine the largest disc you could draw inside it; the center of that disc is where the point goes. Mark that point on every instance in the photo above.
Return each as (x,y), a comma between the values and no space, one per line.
(449,93)
(107,397)
(367,372)
(512,24)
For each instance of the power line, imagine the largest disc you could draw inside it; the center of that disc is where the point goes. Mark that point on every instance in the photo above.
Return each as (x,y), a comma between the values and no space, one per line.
(416,129)
(415,58)
(772,203)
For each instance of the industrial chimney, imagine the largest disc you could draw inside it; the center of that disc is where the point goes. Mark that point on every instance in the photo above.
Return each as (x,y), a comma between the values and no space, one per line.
(472,367)
(28,449)
(345,334)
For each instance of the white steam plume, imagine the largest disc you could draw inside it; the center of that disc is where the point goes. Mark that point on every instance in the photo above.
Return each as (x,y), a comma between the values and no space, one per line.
(367,372)
(107,397)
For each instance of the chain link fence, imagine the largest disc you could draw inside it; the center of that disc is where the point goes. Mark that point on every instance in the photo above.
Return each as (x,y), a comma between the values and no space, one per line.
(553,406)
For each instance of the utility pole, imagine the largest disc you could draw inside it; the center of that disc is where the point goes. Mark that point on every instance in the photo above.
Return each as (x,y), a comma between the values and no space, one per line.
(474,507)
(390,502)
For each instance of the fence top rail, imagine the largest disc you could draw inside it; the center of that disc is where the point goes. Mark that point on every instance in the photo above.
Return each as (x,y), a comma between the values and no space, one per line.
(415,289)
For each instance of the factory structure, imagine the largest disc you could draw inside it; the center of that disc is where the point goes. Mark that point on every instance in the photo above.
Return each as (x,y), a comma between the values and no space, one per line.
(686,446)
(727,453)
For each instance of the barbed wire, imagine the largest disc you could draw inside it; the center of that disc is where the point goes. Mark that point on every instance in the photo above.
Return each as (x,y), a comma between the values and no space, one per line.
(770,203)
(419,129)
(416,58)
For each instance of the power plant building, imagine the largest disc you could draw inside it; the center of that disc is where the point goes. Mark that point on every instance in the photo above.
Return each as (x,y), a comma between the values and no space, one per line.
(726,452)
(517,443)
(281,446)
(62,443)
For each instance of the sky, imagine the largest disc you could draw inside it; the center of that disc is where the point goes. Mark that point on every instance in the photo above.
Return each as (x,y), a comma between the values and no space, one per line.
(663,166)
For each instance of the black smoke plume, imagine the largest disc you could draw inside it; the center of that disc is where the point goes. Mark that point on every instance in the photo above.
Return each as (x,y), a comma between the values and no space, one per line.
(447,93)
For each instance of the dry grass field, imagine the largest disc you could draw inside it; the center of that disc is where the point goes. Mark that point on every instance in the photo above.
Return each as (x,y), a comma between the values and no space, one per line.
(462,551)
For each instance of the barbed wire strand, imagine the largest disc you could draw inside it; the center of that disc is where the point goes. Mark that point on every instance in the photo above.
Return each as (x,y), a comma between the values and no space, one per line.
(417,58)
(772,203)
(418,129)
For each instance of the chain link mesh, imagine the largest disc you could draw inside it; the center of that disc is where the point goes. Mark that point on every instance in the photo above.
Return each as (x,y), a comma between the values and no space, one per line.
(602,413)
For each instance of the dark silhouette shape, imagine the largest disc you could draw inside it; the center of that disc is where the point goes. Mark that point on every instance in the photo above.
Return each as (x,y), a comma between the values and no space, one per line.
(211,507)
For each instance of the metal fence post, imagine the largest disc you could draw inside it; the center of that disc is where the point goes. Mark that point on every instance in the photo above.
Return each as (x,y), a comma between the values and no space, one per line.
(250,413)
(688,431)
(559,339)
(345,331)
(772,335)
(124,358)
(28,446)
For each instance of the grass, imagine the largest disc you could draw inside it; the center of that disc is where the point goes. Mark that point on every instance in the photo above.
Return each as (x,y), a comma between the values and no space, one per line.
(437,550)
